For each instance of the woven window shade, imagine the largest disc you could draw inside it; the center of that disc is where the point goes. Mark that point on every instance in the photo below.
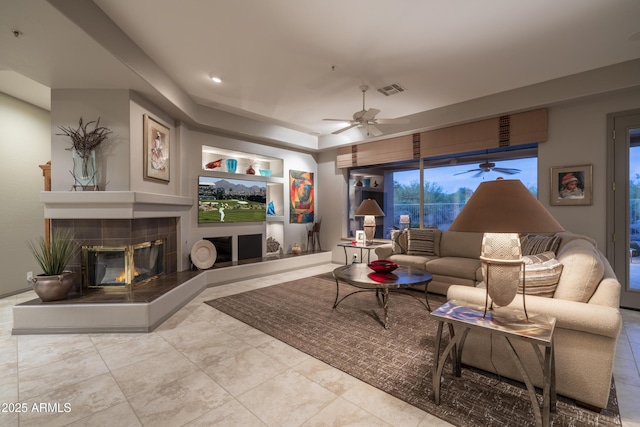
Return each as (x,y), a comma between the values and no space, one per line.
(344,158)
(473,136)
(507,130)
(531,126)
(387,151)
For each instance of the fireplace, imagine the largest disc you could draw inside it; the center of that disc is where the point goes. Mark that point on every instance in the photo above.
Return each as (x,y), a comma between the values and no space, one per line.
(122,267)
(117,234)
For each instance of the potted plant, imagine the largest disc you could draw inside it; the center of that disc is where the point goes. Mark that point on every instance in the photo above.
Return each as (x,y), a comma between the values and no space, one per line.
(55,282)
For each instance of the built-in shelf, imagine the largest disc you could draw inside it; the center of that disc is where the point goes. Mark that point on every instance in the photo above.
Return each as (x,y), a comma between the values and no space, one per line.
(275,224)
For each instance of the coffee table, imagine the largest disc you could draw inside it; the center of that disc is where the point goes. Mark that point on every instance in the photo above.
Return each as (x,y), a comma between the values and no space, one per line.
(364,278)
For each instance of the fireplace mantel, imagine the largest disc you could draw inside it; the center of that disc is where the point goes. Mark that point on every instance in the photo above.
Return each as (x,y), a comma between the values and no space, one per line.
(112,204)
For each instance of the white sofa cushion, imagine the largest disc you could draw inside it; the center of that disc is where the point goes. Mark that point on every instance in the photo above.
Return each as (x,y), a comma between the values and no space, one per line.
(411,260)
(465,268)
(460,244)
(582,272)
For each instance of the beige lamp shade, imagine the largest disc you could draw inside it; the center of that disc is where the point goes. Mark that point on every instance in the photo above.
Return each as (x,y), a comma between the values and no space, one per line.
(504,206)
(369,207)
(501,209)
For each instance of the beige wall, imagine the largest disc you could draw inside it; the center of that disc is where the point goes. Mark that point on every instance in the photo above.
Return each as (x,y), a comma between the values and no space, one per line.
(578,136)
(25,138)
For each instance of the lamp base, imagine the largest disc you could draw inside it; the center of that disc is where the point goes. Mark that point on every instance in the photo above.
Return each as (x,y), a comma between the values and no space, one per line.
(369,232)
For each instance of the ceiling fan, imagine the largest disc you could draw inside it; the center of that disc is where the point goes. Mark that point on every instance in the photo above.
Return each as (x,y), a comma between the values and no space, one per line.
(488,167)
(366,119)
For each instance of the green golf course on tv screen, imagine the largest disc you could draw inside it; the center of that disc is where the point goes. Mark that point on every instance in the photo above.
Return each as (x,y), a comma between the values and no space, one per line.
(231,200)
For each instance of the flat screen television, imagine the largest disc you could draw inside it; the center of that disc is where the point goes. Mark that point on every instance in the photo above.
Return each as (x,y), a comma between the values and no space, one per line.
(231,200)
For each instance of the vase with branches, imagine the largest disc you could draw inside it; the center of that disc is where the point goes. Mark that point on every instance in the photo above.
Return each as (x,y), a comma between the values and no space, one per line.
(84,142)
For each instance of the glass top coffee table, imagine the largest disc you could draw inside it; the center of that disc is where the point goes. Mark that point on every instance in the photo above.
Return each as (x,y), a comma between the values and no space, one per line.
(364,278)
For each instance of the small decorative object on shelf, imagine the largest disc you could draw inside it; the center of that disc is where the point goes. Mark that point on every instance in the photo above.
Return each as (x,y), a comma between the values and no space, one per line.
(250,170)
(232,164)
(273,245)
(84,143)
(271,210)
(265,172)
(296,249)
(214,164)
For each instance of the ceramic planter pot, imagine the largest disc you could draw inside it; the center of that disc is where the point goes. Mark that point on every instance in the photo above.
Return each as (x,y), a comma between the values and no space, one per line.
(53,288)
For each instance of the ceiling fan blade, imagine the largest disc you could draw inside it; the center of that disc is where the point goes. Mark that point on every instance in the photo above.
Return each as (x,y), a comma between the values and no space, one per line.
(470,170)
(374,130)
(393,121)
(478,175)
(509,171)
(370,114)
(343,129)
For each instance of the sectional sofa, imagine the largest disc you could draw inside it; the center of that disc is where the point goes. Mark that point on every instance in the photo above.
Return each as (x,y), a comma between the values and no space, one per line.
(584,300)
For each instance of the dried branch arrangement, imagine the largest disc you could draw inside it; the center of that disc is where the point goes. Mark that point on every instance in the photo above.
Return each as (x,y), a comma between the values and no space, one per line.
(85,140)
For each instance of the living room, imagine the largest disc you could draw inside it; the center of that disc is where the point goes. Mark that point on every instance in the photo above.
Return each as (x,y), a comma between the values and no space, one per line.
(577,107)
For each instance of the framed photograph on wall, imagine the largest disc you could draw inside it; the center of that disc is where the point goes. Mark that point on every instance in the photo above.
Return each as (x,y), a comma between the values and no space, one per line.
(361,238)
(157,140)
(571,185)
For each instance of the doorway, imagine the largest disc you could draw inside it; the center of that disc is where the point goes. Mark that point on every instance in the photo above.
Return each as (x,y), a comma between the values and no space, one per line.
(623,203)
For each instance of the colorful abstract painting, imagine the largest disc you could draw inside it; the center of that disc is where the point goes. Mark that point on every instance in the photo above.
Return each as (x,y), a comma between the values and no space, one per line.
(301,193)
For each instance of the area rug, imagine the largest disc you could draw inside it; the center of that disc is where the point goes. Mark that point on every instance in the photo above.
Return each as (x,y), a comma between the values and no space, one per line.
(397,360)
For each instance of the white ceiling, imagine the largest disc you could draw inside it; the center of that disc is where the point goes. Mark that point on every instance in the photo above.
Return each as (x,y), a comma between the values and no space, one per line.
(294,63)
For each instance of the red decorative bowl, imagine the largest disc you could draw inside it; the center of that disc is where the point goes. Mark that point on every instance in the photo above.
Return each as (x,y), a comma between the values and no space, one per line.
(383,266)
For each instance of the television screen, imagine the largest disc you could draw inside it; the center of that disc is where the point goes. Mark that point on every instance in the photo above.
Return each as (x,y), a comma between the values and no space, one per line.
(231,200)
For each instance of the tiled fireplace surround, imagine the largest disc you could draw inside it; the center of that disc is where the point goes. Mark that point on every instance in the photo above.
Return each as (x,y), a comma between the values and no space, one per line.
(117,232)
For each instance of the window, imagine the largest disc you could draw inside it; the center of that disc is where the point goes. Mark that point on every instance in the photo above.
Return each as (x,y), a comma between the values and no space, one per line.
(448,182)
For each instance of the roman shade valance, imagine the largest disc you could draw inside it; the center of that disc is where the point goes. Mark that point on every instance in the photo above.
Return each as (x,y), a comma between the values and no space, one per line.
(507,130)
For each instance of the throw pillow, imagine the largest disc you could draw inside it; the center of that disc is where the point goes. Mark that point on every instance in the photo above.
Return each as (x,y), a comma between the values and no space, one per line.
(582,273)
(423,241)
(534,244)
(399,241)
(541,274)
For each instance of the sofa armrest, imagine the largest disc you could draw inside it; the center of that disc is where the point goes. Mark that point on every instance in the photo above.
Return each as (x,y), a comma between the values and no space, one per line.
(578,316)
(384,251)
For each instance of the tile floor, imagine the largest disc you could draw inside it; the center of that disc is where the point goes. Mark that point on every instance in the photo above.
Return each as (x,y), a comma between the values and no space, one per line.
(203,368)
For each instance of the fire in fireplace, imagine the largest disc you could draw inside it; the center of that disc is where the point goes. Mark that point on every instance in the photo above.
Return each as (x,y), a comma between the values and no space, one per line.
(122,267)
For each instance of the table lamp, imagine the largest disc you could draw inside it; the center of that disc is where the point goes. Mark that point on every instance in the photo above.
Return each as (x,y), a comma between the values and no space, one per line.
(370,210)
(405,221)
(501,210)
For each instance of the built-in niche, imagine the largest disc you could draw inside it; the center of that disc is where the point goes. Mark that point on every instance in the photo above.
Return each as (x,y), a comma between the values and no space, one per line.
(249,246)
(224,248)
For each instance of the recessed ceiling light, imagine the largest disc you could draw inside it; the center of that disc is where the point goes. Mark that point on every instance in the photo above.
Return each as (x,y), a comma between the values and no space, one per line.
(215,78)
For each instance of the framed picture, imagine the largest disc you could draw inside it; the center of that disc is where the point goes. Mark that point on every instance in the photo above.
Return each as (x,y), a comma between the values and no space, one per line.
(156,150)
(301,197)
(360,237)
(571,185)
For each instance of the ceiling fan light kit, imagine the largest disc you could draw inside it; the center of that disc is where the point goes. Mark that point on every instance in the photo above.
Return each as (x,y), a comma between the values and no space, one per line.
(366,119)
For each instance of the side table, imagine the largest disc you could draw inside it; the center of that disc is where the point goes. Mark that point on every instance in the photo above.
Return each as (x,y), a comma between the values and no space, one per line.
(368,248)
(510,324)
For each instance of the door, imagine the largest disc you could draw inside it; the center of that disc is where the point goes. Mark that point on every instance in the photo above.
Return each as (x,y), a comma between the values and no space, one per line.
(624,204)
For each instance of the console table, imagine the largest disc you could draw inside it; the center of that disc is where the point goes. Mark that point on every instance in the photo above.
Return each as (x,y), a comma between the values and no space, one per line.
(367,247)
(511,325)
